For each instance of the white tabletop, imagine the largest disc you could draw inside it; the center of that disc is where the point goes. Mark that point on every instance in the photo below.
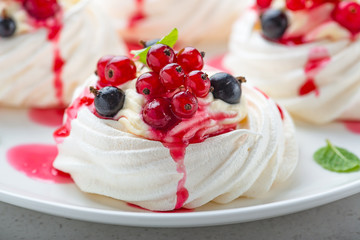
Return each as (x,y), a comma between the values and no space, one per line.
(337,220)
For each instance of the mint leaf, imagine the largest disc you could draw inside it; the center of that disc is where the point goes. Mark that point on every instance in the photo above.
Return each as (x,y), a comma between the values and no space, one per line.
(169,40)
(337,159)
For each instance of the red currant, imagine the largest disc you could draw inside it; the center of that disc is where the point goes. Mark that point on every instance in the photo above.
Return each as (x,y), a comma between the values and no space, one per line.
(149,85)
(347,14)
(41,9)
(172,76)
(190,59)
(119,70)
(296,5)
(158,56)
(184,104)
(198,82)
(157,113)
(100,69)
(263,3)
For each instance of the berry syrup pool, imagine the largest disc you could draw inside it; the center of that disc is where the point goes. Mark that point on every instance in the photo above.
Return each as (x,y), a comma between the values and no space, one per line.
(35,160)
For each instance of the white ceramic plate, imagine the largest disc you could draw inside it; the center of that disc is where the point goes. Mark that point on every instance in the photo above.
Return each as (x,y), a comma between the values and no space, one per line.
(309,187)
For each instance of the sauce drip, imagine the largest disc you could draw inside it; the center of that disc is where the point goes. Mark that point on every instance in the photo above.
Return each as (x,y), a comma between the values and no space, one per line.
(138,15)
(318,58)
(193,130)
(85,99)
(54,26)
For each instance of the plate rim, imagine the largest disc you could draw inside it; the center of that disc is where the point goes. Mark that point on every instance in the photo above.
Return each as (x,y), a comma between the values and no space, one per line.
(188,219)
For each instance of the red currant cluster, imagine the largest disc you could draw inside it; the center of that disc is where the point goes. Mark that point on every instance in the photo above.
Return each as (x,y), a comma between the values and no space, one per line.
(173,85)
(346,12)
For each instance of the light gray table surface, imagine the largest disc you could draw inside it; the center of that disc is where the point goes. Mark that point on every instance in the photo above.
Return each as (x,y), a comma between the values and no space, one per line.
(337,220)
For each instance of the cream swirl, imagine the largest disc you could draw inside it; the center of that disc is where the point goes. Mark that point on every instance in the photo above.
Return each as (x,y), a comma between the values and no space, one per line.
(27,60)
(289,73)
(104,158)
(201,22)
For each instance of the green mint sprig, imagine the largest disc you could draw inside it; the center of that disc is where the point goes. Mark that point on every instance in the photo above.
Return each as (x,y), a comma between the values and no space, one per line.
(337,159)
(169,40)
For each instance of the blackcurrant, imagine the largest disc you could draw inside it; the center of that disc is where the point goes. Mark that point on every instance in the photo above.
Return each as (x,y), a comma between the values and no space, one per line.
(226,87)
(274,23)
(7,27)
(108,100)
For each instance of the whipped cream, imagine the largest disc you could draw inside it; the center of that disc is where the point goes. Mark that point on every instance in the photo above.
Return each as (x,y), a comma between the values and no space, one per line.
(201,22)
(287,72)
(117,158)
(27,59)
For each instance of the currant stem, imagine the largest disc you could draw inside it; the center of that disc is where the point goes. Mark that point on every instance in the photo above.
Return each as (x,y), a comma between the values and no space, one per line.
(94,90)
(143,43)
(241,79)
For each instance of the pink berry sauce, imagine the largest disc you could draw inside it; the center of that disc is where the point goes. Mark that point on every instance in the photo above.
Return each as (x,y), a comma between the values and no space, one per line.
(193,130)
(54,26)
(138,15)
(181,210)
(319,57)
(51,117)
(35,160)
(353,126)
(85,99)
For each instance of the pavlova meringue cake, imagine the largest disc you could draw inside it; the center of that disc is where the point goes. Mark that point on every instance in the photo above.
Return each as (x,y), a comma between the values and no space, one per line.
(199,22)
(166,135)
(304,54)
(48,47)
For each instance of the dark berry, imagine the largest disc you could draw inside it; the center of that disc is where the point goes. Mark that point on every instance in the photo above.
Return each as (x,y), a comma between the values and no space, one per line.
(100,69)
(149,43)
(119,70)
(226,87)
(157,113)
(158,56)
(149,85)
(184,104)
(347,14)
(172,76)
(108,100)
(190,59)
(274,23)
(41,9)
(7,27)
(198,82)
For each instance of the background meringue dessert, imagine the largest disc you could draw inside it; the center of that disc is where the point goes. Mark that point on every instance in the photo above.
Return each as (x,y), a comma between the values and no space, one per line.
(200,22)
(48,47)
(166,135)
(304,54)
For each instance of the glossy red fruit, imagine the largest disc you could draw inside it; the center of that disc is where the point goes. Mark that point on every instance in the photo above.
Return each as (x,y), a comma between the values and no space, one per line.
(347,14)
(119,70)
(263,3)
(100,69)
(157,113)
(199,83)
(296,5)
(158,56)
(149,85)
(190,59)
(41,9)
(184,104)
(172,76)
